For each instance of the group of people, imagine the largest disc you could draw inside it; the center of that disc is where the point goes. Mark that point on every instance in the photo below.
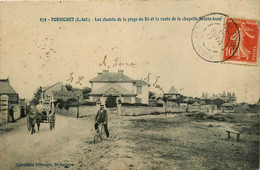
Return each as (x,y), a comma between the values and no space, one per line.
(11,113)
(101,117)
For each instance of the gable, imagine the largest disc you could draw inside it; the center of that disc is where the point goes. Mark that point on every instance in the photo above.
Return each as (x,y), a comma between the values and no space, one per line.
(111,91)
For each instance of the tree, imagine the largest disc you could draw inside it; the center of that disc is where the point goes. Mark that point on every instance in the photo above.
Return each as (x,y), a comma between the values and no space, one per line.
(111,102)
(150,94)
(165,99)
(85,92)
(218,102)
(203,95)
(69,87)
(36,96)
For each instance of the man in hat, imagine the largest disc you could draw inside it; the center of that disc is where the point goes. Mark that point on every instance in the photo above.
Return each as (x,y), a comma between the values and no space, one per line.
(101,117)
(11,112)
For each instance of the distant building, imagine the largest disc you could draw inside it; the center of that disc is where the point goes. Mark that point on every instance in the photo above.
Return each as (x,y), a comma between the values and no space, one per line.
(172,94)
(46,92)
(156,100)
(228,108)
(22,102)
(225,97)
(233,98)
(119,86)
(204,95)
(7,89)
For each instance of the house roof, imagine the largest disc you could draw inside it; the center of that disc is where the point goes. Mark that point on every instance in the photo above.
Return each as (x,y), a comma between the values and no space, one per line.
(203,102)
(59,83)
(141,83)
(173,91)
(186,99)
(160,101)
(158,95)
(111,77)
(195,104)
(5,87)
(113,89)
(227,104)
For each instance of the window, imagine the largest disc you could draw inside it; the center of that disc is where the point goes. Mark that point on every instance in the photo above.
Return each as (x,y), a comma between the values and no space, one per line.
(127,100)
(138,100)
(139,89)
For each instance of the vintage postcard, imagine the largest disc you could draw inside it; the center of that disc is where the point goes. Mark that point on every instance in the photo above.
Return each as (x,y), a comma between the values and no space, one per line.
(135,84)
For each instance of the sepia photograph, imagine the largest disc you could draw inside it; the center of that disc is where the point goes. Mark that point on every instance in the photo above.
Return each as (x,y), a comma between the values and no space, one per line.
(125,85)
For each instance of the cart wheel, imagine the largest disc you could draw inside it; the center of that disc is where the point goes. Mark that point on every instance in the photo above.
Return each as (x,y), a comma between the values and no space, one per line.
(29,125)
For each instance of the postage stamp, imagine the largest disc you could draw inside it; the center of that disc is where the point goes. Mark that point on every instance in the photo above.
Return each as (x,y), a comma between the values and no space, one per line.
(212,34)
(247,42)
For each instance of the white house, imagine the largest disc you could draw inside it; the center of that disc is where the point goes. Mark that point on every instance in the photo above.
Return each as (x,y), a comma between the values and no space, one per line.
(120,86)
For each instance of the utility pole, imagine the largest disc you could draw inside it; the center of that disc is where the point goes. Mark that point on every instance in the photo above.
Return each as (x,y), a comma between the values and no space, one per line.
(78,108)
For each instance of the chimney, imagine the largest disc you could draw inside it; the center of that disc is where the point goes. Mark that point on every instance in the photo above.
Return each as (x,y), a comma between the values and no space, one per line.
(105,71)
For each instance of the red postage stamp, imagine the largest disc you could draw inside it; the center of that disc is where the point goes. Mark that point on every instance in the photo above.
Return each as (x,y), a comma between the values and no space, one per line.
(246,38)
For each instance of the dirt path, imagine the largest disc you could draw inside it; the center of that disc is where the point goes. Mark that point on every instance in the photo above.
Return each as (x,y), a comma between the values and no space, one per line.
(141,142)
(19,146)
(71,142)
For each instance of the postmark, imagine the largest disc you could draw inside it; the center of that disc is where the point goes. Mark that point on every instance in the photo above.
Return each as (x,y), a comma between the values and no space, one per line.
(212,34)
(247,52)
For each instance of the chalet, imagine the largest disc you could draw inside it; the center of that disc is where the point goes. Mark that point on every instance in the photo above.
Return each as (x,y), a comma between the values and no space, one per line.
(228,108)
(7,89)
(172,94)
(154,99)
(119,86)
(46,92)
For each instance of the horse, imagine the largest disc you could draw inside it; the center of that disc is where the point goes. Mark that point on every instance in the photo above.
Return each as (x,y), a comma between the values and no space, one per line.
(37,114)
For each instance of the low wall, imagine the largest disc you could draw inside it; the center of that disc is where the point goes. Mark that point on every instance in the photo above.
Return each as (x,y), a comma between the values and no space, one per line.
(130,110)
(83,111)
(4,111)
(202,108)
(144,110)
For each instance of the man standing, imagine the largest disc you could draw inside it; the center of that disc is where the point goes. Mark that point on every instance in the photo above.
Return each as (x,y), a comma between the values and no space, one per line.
(22,112)
(101,117)
(11,112)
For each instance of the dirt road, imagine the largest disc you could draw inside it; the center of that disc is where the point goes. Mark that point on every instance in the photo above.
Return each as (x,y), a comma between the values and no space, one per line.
(18,146)
(69,145)
(141,142)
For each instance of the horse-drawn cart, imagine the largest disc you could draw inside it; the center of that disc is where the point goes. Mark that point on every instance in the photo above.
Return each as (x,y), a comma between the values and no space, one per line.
(38,115)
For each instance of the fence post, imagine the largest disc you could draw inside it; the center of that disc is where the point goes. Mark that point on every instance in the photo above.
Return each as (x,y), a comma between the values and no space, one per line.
(4,109)
(119,103)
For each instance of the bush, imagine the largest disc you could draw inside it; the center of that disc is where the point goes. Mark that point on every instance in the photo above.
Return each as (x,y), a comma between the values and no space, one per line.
(68,103)
(156,113)
(111,102)
(86,103)
(134,104)
(197,115)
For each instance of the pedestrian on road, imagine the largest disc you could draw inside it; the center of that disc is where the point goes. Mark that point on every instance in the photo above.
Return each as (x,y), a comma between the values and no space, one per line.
(101,117)
(22,113)
(11,112)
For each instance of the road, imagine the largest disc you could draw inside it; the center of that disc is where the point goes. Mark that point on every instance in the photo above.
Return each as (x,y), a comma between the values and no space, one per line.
(69,145)
(19,146)
(136,142)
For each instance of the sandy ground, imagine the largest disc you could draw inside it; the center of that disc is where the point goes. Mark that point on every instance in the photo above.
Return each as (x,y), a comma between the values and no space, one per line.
(140,142)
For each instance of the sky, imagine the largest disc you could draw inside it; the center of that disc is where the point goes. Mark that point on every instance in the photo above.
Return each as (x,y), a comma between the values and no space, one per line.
(34,53)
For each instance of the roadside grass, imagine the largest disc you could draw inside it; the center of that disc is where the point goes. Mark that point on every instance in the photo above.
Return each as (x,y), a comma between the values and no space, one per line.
(184,142)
